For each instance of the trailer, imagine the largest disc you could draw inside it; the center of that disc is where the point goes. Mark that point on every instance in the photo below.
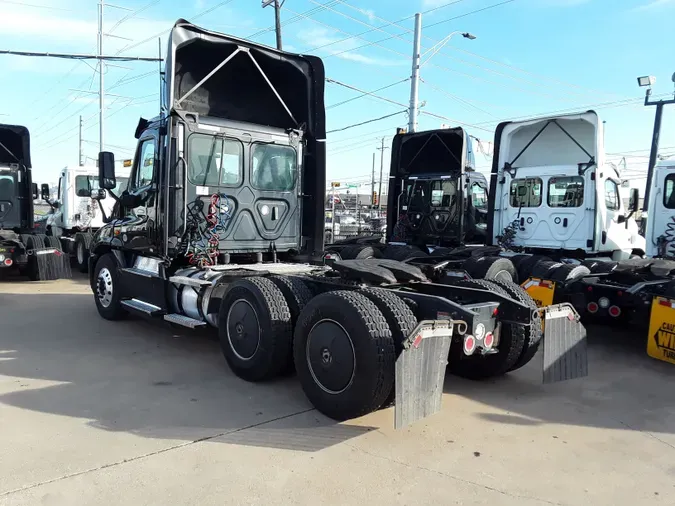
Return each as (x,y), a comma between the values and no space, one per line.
(75,216)
(222,225)
(22,247)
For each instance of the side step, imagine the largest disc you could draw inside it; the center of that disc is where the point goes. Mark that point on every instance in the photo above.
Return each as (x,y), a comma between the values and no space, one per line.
(194,282)
(142,307)
(184,321)
(139,272)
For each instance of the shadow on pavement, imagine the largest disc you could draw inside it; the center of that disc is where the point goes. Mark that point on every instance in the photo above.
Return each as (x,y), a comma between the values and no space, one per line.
(146,378)
(625,389)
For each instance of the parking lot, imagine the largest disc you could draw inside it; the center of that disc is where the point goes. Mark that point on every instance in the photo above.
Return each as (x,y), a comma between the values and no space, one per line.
(136,412)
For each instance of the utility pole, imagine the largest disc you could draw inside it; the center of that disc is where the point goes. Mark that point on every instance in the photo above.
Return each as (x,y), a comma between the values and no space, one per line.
(379,192)
(80,150)
(648,81)
(415,80)
(101,92)
(277,17)
(372,189)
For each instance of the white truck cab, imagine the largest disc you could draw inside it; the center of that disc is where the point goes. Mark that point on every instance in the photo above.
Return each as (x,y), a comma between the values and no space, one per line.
(660,228)
(75,215)
(554,191)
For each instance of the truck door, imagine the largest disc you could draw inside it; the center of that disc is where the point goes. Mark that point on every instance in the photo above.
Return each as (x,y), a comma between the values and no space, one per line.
(139,223)
(660,230)
(615,235)
(570,219)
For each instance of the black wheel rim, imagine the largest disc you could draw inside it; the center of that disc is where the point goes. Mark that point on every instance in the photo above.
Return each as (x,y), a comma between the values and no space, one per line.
(243,329)
(330,356)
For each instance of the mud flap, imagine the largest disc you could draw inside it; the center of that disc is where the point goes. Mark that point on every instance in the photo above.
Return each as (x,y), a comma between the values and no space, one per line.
(540,290)
(52,264)
(420,371)
(565,344)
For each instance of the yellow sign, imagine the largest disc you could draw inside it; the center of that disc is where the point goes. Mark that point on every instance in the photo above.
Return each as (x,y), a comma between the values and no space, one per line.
(661,338)
(126,163)
(540,290)
(335,185)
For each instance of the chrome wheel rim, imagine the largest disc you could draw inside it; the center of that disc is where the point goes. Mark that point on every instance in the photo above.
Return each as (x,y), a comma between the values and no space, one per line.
(104,287)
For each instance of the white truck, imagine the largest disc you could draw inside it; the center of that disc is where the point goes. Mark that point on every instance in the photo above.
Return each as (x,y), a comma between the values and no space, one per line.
(75,216)
(554,193)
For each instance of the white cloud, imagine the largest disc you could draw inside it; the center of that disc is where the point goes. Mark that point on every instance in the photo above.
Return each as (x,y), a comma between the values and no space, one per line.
(345,49)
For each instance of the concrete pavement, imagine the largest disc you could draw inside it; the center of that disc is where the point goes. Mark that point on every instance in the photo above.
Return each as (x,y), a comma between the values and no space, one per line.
(134,412)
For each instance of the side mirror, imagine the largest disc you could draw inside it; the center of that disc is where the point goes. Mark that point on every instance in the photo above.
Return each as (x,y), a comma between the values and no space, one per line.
(621,219)
(106,170)
(36,193)
(634,201)
(83,193)
(44,189)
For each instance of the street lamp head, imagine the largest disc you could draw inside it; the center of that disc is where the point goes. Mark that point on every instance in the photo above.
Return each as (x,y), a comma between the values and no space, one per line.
(469,36)
(646,81)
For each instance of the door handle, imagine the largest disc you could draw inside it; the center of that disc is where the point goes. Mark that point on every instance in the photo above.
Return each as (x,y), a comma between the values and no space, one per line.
(565,222)
(522,221)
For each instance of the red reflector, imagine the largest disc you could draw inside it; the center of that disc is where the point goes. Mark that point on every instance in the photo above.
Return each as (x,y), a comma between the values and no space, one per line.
(619,293)
(8,262)
(495,312)
(417,341)
(592,307)
(590,288)
(614,311)
(664,302)
(489,340)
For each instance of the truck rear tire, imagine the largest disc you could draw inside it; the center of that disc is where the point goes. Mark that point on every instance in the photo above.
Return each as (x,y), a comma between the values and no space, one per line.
(400,318)
(82,244)
(255,329)
(545,268)
(536,332)
(297,296)
(106,289)
(510,347)
(568,272)
(491,268)
(359,252)
(344,355)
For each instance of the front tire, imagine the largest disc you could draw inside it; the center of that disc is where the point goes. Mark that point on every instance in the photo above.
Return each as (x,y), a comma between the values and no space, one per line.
(344,355)
(107,290)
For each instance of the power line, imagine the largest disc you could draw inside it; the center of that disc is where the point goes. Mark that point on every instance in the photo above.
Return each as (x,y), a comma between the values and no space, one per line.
(363,94)
(133,14)
(36,6)
(73,56)
(365,122)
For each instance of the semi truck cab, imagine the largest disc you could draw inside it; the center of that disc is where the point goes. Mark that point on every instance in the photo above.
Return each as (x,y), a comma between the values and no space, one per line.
(553,190)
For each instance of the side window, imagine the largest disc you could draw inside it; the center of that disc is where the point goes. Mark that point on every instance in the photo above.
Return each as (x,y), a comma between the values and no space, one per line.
(478,196)
(526,192)
(565,192)
(58,195)
(612,195)
(215,161)
(669,193)
(146,164)
(443,193)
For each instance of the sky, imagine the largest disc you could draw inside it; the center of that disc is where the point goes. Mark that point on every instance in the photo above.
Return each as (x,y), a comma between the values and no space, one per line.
(529,58)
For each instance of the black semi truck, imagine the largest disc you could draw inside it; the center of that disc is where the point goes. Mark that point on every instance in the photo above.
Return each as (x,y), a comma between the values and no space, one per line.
(222,225)
(21,246)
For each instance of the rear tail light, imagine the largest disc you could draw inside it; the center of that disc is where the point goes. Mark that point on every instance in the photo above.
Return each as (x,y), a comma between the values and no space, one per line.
(592,307)
(614,311)
(469,345)
(8,262)
(489,341)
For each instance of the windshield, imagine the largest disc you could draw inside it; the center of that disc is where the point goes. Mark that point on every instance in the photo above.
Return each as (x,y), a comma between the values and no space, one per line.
(85,184)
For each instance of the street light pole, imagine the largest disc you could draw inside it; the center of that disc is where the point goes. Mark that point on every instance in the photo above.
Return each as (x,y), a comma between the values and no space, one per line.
(415,79)
(379,191)
(413,110)
(653,154)
(101,91)
(277,18)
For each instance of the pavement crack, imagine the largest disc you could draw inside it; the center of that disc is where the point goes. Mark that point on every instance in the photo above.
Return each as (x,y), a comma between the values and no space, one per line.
(150,454)
(453,477)
(646,433)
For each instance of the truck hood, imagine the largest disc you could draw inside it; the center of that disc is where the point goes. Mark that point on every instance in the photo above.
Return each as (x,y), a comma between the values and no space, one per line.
(14,145)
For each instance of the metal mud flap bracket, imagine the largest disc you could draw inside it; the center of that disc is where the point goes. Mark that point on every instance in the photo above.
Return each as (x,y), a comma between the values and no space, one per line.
(420,371)
(565,344)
